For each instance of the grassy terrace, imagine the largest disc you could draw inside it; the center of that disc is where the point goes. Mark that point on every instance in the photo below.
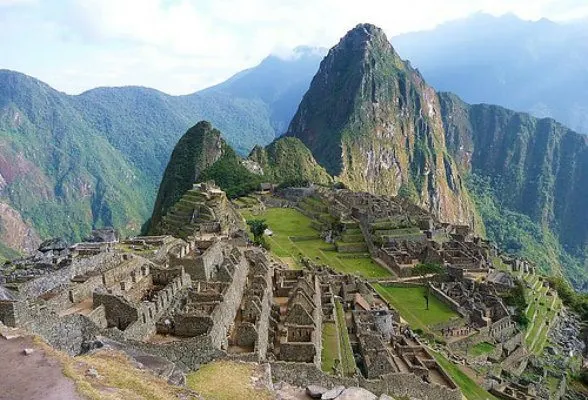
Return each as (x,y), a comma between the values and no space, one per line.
(411,305)
(347,360)
(293,237)
(236,382)
(330,349)
(541,312)
(470,389)
(481,348)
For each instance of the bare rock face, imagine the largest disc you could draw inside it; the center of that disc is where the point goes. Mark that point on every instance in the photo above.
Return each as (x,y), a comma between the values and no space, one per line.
(15,232)
(370,119)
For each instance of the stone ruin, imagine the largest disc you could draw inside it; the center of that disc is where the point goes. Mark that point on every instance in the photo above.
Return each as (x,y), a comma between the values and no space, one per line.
(296,323)
(199,292)
(202,210)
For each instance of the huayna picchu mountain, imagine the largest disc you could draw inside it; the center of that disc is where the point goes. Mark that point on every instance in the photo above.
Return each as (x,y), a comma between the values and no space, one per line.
(371,120)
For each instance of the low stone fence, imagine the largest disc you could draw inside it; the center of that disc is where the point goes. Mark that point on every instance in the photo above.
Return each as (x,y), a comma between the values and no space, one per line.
(188,354)
(398,385)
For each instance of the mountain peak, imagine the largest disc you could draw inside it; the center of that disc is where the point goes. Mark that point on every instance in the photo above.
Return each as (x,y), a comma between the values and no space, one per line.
(371,120)
(365,37)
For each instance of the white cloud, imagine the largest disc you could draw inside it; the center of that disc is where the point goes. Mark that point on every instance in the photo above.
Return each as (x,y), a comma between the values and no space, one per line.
(182,45)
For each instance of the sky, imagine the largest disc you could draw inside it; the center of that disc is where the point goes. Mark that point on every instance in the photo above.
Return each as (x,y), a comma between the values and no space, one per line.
(181,46)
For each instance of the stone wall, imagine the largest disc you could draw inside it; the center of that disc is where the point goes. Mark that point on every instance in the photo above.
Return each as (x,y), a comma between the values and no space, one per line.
(63,276)
(202,267)
(224,314)
(98,316)
(119,312)
(299,352)
(398,385)
(448,301)
(187,354)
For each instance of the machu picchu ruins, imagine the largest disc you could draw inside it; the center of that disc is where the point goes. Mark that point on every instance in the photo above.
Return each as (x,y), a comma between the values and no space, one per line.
(199,291)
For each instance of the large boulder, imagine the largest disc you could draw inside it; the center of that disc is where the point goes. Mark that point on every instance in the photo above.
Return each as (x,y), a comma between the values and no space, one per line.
(315,391)
(356,393)
(333,393)
(53,244)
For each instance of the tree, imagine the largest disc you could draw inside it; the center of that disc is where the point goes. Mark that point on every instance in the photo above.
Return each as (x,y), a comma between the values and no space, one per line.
(257,228)
(425,270)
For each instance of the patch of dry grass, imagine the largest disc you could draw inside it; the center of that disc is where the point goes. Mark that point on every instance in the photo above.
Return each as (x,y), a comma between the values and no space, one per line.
(225,380)
(119,378)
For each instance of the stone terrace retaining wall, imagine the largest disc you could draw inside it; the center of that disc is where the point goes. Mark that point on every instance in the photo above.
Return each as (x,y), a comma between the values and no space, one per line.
(187,354)
(398,385)
(448,301)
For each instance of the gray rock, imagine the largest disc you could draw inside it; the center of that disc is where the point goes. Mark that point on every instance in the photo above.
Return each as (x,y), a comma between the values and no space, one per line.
(92,373)
(28,352)
(356,393)
(315,391)
(385,397)
(333,393)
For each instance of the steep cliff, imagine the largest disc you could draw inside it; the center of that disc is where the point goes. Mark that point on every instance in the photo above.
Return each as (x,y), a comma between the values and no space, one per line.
(536,167)
(370,119)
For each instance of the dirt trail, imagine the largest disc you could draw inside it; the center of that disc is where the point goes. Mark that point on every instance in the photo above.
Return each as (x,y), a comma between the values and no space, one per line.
(33,377)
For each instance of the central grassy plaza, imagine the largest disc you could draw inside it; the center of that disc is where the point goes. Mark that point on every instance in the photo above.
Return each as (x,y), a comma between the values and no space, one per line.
(293,237)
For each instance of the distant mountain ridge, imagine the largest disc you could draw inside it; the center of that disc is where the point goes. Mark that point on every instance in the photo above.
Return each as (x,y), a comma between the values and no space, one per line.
(97,158)
(540,67)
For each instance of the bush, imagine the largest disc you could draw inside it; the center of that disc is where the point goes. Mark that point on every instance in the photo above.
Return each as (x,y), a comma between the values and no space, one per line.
(584,376)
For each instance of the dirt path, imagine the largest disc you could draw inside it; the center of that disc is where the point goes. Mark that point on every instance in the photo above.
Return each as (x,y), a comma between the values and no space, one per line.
(33,377)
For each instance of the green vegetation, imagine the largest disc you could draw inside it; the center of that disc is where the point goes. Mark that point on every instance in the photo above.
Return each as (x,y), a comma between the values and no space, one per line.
(411,304)
(578,302)
(289,162)
(96,159)
(481,348)
(428,269)
(330,350)
(294,237)
(347,360)
(470,389)
(236,382)
(257,228)
(517,298)
(518,234)
(230,175)
(540,312)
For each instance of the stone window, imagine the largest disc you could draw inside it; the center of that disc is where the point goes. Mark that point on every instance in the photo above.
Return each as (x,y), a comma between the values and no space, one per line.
(144,318)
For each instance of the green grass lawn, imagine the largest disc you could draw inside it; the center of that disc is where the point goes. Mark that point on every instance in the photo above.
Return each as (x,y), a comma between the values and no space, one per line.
(411,305)
(469,388)
(330,346)
(347,360)
(481,348)
(290,241)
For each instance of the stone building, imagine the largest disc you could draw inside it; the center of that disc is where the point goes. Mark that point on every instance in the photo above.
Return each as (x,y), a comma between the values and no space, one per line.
(297,323)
